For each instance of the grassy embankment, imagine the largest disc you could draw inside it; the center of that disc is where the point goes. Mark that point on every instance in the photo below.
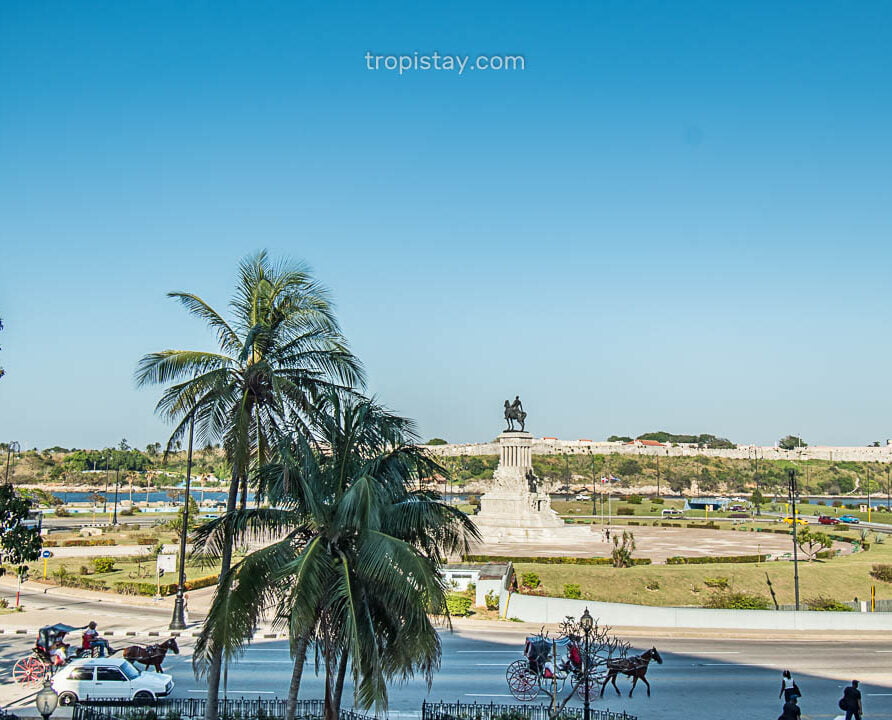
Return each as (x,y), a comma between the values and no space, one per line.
(841,579)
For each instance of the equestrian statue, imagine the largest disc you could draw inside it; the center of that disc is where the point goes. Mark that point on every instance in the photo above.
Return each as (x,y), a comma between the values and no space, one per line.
(514,412)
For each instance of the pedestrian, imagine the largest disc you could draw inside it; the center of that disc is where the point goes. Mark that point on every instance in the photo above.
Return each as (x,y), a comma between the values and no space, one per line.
(851,701)
(791,710)
(789,688)
(608,534)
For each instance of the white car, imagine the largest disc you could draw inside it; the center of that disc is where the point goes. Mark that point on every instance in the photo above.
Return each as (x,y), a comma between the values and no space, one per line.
(583,497)
(109,678)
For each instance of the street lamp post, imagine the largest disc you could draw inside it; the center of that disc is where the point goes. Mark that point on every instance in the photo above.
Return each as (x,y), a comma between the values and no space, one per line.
(46,700)
(795,546)
(586,623)
(178,621)
(117,482)
(105,494)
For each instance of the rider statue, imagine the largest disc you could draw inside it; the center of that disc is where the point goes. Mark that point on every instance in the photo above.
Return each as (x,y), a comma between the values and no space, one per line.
(514,411)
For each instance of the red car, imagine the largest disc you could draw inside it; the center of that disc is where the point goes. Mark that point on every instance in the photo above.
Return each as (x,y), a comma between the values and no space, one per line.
(827,520)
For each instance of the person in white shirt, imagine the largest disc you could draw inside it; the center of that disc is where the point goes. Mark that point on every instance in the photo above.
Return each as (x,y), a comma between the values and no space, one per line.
(789,689)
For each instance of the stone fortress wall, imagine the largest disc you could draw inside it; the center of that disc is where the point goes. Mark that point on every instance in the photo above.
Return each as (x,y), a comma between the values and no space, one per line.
(553,446)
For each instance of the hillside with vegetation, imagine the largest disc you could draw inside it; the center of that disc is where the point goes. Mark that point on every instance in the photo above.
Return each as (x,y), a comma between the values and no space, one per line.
(681,475)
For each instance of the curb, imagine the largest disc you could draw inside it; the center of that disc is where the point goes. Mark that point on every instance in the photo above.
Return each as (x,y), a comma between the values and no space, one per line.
(129,632)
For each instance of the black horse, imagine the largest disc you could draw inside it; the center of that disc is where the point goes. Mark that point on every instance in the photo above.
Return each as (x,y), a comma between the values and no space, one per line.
(635,667)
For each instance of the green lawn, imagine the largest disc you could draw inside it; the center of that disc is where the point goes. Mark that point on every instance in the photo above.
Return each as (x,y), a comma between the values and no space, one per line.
(842,578)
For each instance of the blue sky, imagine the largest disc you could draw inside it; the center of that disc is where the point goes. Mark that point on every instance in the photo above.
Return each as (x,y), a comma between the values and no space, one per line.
(677,216)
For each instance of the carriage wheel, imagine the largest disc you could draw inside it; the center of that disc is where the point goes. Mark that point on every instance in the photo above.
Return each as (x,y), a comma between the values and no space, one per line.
(522,682)
(29,671)
(595,678)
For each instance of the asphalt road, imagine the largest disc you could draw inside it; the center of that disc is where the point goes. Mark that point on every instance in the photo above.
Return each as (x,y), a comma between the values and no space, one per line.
(728,678)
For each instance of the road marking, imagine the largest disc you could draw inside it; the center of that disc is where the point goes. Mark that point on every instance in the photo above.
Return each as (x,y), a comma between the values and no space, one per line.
(260,662)
(881,651)
(246,692)
(735,665)
(492,652)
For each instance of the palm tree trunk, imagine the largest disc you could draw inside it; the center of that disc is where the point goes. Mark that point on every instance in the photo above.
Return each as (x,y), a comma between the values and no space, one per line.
(216,664)
(243,504)
(329,712)
(339,683)
(300,656)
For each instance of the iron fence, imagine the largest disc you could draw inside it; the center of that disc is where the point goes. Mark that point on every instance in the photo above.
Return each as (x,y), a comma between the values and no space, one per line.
(241,708)
(501,711)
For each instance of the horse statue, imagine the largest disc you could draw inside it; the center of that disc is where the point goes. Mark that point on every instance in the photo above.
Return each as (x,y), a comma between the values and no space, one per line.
(514,411)
(634,667)
(151,655)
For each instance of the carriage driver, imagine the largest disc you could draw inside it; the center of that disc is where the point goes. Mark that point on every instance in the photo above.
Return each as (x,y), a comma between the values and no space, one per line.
(91,639)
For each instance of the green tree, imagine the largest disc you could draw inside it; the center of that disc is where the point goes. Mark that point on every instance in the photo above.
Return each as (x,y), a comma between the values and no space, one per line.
(812,542)
(757,499)
(791,442)
(436,441)
(623,547)
(282,349)
(19,543)
(355,572)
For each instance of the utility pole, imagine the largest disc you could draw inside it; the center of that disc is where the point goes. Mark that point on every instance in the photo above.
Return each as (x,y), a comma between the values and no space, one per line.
(792,473)
(11,447)
(178,621)
(868,493)
(658,475)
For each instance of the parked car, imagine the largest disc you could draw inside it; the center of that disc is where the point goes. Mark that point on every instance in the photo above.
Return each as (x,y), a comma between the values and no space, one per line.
(851,519)
(799,520)
(583,496)
(827,520)
(109,677)
(737,508)
(737,515)
(672,513)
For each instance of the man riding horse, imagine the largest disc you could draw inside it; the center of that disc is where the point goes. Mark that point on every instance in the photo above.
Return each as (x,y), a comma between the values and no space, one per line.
(514,411)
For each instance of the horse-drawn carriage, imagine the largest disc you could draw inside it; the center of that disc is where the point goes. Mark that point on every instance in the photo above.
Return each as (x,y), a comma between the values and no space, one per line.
(555,662)
(34,668)
(549,664)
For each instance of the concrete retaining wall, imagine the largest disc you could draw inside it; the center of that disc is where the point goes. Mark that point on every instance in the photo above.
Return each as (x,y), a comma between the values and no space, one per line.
(539,609)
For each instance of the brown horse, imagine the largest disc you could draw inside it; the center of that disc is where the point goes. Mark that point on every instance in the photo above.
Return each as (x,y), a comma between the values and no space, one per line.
(635,667)
(151,655)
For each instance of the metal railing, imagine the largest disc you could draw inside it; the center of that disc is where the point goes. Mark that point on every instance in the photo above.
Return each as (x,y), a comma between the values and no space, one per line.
(241,708)
(500,711)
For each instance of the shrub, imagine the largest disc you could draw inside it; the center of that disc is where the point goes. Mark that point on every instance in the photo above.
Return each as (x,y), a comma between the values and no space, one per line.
(530,580)
(61,511)
(653,585)
(126,512)
(547,560)
(718,583)
(709,560)
(837,503)
(492,600)
(728,600)
(882,572)
(657,500)
(823,603)
(623,547)
(104,564)
(200,582)
(4,603)
(572,591)
(822,502)
(634,499)
(86,570)
(879,538)
(625,510)
(458,605)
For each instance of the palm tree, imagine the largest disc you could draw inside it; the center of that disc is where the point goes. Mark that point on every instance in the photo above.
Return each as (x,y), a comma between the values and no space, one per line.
(354,558)
(282,350)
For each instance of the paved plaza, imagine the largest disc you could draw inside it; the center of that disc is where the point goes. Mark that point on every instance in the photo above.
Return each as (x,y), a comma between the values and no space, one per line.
(656,543)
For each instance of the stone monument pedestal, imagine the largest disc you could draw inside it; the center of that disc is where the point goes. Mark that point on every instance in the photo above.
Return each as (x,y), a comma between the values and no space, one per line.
(515,509)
